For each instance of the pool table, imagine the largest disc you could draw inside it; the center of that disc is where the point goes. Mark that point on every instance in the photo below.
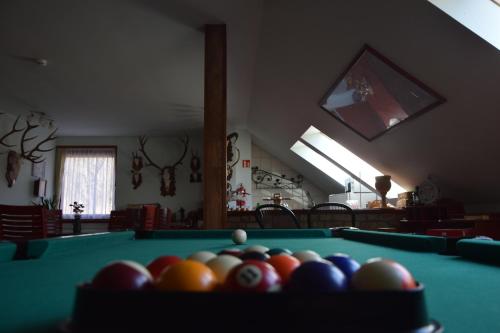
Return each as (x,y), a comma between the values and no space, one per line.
(462,293)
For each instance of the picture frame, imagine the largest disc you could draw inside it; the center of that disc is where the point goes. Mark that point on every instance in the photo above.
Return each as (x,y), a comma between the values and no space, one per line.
(374,95)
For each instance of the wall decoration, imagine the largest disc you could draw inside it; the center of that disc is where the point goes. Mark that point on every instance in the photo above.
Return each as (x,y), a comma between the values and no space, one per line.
(233,154)
(137,166)
(195,176)
(245,164)
(35,154)
(38,169)
(167,172)
(374,95)
(268,180)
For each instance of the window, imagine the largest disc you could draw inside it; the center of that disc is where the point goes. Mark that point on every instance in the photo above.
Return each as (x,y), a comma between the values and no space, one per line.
(87,175)
(340,164)
(480,16)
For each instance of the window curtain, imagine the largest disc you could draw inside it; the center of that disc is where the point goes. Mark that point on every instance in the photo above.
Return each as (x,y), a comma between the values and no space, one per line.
(87,175)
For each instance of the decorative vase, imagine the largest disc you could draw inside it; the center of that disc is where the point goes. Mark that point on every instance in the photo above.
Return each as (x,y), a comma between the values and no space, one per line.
(383,185)
(77,225)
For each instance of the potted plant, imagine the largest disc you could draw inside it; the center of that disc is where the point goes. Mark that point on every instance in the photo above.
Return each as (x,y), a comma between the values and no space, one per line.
(77,210)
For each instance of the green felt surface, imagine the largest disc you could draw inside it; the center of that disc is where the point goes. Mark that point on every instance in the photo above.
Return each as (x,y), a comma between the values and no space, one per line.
(400,241)
(7,251)
(226,234)
(37,294)
(70,245)
(483,250)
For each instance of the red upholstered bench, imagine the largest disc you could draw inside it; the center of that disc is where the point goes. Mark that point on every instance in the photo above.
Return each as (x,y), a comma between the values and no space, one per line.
(451,233)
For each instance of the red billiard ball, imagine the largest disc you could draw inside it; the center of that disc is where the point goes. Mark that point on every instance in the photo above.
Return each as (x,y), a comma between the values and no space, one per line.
(254,255)
(253,276)
(122,275)
(382,274)
(232,252)
(159,264)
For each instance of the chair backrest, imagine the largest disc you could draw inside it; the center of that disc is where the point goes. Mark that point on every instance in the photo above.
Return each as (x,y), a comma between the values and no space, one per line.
(22,222)
(268,213)
(330,207)
(119,220)
(150,217)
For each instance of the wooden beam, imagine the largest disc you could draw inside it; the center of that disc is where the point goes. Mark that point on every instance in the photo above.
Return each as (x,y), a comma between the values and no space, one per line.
(214,134)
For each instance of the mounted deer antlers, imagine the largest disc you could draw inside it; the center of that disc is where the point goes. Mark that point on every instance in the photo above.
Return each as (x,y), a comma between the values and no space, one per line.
(167,172)
(14,158)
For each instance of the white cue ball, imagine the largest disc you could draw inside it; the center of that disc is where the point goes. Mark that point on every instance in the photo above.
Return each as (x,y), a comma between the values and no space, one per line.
(202,256)
(307,255)
(239,236)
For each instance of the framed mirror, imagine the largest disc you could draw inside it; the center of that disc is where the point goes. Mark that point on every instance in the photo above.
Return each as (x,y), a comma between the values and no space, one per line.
(374,95)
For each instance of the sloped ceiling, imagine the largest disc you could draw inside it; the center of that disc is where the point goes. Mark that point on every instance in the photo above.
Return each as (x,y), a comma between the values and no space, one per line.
(306,45)
(121,67)
(129,67)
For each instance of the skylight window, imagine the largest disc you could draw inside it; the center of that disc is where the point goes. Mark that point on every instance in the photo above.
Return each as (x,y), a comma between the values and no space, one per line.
(337,161)
(480,16)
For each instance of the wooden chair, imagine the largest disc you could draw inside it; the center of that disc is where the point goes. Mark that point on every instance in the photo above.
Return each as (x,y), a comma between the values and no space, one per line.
(330,208)
(18,223)
(54,223)
(269,214)
(119,221)
(150,217)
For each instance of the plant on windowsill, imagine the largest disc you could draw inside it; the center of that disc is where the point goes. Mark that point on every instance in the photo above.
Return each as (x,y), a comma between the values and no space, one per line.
(49,204)
(77,210)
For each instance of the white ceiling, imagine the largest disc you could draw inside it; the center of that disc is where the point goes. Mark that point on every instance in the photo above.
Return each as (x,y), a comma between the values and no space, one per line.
(121,67)
(130,67)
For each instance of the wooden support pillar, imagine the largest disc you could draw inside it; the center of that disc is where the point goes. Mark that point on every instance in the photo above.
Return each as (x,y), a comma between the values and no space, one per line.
(214,134)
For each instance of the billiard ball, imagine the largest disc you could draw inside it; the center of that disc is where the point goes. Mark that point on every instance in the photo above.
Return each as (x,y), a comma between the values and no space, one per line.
(316,276)
(159,264)
(122,275)
(187,275)
(307,255)
(235,252)
(284,265)
(239,236)
(222,264)
(382,274)
(253,276)
(202,256)
(343,262)
(278,250)
(257,248)
(254,255)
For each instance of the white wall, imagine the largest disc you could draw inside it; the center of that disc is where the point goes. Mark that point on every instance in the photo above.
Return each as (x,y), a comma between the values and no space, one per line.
(21,193)
(243,175)
(267,162)
(163,151)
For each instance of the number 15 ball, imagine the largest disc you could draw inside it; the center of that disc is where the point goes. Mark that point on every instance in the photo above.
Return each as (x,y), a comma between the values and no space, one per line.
(239,236)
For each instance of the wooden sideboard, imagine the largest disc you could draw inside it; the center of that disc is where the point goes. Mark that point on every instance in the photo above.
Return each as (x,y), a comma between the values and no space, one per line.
(370,219)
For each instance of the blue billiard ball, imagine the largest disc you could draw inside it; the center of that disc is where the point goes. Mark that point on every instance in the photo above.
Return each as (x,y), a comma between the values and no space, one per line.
(315,276)
(346,264)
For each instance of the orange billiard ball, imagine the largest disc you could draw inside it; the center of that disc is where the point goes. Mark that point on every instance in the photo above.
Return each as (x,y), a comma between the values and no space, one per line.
(187,275)
(284,264)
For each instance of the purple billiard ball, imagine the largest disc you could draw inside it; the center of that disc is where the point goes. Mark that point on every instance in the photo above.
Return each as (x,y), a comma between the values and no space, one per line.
(316,276)
(345,263)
